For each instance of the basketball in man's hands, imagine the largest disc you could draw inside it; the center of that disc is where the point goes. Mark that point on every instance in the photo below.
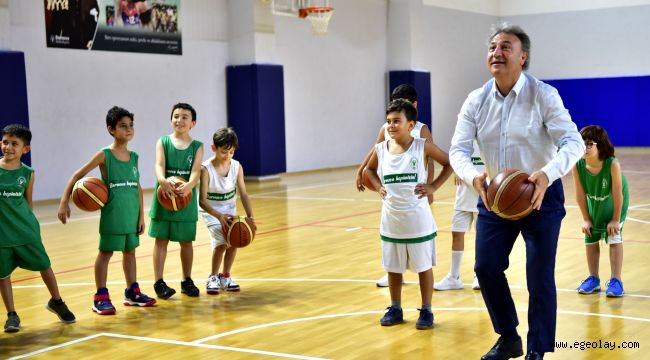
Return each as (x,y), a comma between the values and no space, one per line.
(509,194)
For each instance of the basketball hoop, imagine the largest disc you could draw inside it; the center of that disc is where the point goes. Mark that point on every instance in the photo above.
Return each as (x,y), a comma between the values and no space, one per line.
(319,17)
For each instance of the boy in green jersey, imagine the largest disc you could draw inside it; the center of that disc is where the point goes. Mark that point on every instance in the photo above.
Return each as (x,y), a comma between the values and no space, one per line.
(122,217)
(20,233)
(177,154)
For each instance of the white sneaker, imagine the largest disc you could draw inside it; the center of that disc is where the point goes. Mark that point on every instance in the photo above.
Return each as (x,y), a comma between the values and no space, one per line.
(228,283)
(475,284)
(448,283)
(383,281)
(213,286)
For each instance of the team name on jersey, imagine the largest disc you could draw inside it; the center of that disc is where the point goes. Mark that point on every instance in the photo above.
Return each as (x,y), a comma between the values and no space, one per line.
(118,183)
(221,196)
(177,172)
(598,198)
(476,160)
(11,194)
(400,178)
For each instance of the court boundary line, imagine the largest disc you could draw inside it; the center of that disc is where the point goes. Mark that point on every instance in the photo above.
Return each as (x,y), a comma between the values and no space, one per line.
(200,342)
(329,316)
(167,341)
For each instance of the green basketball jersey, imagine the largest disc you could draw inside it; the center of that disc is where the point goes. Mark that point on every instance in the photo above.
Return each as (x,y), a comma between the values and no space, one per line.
(120,214)
(598,188)
(177,163)
(18,225)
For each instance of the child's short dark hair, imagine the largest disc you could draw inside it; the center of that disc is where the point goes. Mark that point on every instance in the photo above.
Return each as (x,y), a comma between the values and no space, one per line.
(226,138)
(20,131)
(184,106)
(405,91)
(405,106)
(115,114)
(598,135)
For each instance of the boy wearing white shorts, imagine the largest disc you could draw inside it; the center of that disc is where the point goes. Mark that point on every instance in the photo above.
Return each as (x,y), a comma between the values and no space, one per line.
(407,228)
(465,213)
(221,177)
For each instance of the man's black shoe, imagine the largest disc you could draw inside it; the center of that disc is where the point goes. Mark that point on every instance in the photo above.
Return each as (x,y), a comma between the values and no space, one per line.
(504,349)
(534,355)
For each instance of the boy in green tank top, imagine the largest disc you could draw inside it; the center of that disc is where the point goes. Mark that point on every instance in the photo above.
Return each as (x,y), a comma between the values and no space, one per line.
(603,197)
(177,154)
(122,217)
(20,233)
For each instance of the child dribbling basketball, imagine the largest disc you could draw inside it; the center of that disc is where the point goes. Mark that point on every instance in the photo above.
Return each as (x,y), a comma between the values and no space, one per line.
(177,154)
(20,233)
(221,175)
(603,197)
(407,228)
(122,217)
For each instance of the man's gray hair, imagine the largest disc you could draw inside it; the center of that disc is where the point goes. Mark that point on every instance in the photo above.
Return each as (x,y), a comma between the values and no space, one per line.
(515,30)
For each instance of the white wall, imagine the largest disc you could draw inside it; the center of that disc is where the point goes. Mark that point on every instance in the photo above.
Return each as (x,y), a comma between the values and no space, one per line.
(592,43)
(69,91)
(334,86)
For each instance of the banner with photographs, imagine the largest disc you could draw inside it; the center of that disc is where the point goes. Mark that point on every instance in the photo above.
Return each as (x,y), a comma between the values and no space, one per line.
(145,26)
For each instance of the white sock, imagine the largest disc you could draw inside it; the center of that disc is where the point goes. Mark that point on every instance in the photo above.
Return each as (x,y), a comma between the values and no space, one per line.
(456,257)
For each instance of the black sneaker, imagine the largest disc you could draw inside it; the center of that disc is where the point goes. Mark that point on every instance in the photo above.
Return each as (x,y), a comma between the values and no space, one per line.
(188,288)
(162,290)
(13,323)
(61,310)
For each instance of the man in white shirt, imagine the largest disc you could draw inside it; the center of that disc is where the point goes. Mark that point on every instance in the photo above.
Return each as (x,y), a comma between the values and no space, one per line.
(518,122)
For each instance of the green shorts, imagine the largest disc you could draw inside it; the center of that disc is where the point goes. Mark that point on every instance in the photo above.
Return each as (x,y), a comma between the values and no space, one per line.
(181,231)
(29,257)
(596,236)
(121,242)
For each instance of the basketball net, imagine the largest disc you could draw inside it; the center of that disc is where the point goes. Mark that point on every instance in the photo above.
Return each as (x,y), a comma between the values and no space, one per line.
(319,17)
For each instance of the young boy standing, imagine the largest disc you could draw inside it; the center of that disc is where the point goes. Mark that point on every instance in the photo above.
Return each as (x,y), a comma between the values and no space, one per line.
(407,228)
(122,217)
(221,175)
(177,154)
(465,212)
(20,233)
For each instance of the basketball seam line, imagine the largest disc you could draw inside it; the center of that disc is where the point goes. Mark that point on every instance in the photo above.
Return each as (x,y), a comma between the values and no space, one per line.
(91,195)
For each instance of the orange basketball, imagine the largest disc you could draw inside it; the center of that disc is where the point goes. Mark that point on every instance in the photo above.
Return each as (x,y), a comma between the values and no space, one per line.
(240,233)
(366,181)
(509,194)
(174,203)
(90,194)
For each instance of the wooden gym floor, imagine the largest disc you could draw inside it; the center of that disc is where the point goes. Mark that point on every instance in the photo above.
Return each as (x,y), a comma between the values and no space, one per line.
(308,286)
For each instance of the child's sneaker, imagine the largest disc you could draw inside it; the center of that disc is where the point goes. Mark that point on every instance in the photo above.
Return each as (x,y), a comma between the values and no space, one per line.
(228,283)
(162,290)
(392,317)
(61,310)
(102,305)
(213,286)
(383,281)
(425,321)
(614,288)
(188,288)
(589,285)
(475,284)
(133,297)
(448,283)
(13,323)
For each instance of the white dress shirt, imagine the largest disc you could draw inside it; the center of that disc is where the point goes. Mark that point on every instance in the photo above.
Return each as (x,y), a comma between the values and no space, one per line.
(529,129)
